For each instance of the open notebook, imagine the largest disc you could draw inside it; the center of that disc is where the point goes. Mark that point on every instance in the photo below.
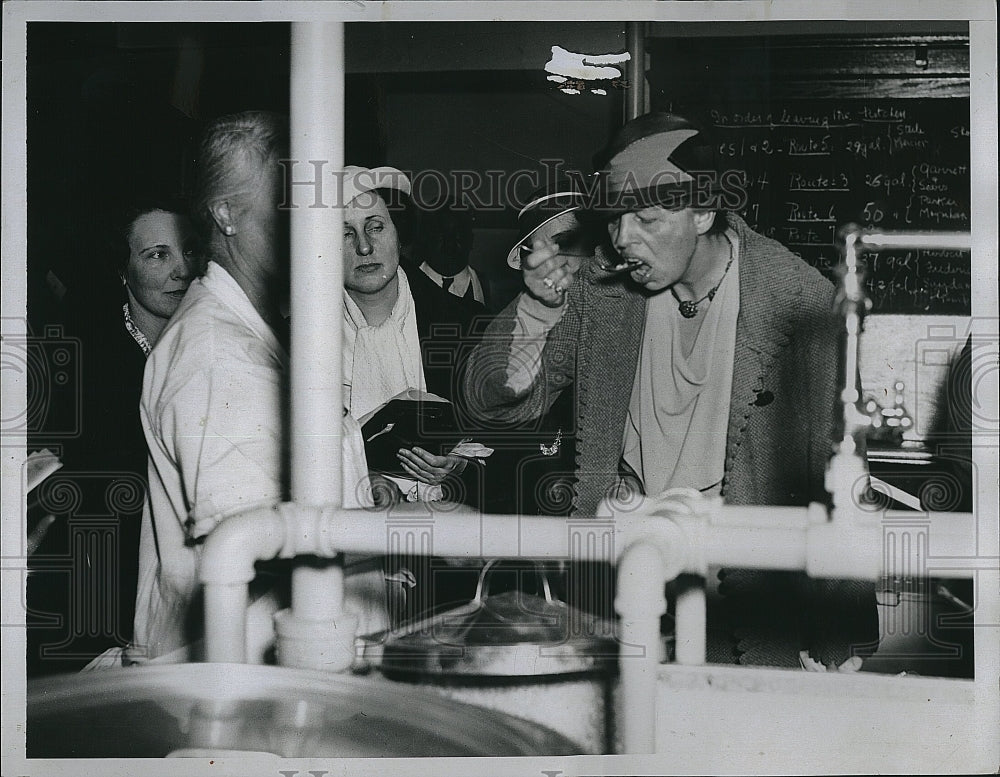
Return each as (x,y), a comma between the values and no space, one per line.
(414,418)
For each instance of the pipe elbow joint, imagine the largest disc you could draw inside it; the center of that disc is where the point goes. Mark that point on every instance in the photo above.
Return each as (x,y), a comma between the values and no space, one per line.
(238,542)
(642,575)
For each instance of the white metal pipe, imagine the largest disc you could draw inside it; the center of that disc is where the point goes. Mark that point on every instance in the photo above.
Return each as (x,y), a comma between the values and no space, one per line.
(763,517)
(317,272)
(317,134)
(225,609)
(728,538)
(846,473)
(943,241)
(731,536)
(318,590)
(640,602)
(749,547)
(226,569)
(690,620)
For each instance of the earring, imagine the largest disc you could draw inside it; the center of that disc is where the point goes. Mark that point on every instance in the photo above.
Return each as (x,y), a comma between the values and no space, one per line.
(124,282)
(229,230)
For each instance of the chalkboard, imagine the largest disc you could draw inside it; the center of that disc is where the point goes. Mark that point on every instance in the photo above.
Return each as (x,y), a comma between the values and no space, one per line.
(809,167)
(832,129)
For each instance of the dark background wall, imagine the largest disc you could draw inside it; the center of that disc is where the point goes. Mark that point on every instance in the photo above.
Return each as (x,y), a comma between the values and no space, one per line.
(114,110)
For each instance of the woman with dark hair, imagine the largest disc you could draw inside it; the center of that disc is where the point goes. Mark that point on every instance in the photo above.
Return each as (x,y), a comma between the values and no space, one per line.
(151,256)
(161,261)
(154,255)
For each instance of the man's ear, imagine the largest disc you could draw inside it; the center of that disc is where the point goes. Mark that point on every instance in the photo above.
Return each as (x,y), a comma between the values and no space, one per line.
(223,217)
(703,220)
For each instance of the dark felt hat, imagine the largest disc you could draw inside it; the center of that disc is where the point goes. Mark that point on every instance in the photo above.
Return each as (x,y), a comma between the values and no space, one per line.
(657,159)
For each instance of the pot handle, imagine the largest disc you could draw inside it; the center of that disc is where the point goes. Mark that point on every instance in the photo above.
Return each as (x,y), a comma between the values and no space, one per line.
(483,589)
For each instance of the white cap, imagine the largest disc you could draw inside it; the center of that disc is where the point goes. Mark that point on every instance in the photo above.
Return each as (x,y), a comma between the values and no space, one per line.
(358,180)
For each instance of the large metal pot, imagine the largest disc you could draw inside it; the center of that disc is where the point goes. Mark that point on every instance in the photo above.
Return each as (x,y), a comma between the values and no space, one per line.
(525,654)
(228,709)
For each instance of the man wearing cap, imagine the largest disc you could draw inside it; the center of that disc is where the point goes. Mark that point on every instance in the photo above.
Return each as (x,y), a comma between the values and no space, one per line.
(703,354)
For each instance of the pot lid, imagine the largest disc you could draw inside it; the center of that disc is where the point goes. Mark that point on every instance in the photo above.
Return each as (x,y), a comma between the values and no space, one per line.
(509,634)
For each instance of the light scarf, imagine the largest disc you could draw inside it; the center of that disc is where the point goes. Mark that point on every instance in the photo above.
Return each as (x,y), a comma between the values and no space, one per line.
(675,433)
(381,361)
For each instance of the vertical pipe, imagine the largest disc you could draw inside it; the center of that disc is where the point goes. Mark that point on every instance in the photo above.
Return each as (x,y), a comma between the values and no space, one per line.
(846,471)
(317,133)
(635,103)
(226,569)
(853,310)
(690,622)
(226,635)
(640,602)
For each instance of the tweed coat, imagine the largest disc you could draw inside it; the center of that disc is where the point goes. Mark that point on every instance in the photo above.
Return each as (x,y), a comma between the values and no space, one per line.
(784,376)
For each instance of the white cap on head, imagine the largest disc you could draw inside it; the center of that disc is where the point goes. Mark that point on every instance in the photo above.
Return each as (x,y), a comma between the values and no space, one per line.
(548,203)
(358,180)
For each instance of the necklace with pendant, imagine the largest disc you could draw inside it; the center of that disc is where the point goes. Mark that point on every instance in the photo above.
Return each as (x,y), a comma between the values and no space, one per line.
(689,308)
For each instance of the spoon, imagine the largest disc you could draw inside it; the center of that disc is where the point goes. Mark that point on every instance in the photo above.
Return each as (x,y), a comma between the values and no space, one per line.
(627,266)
